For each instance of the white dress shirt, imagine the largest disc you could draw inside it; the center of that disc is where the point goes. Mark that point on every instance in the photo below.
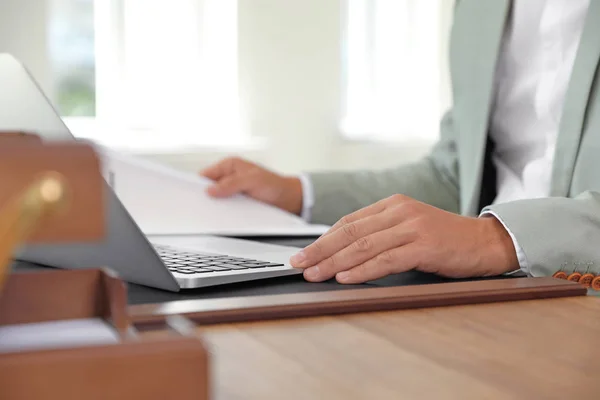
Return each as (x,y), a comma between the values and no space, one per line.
(534,67)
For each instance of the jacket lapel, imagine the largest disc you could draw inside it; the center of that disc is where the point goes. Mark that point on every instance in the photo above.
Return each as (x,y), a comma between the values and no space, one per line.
(576,103)
(487,20)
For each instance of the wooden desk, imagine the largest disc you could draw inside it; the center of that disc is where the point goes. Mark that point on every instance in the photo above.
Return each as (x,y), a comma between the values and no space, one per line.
(539,349)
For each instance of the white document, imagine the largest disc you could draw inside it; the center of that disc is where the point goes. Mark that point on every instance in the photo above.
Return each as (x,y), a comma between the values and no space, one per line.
(56,334)
(165,201)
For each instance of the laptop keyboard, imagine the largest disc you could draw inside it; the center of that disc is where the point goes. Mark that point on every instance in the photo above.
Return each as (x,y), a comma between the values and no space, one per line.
(188,263)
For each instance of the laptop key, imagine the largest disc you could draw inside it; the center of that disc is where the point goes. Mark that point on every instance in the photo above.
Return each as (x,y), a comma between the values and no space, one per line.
(175,265)
(193,271)
(274,265)
(269,265)
(215,268)
(198,265)
(201,270)
(232,266)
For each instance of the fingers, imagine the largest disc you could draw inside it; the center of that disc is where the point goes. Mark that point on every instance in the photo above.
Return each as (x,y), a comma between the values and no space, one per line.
(221,169)
(350,234)
(359,252)
(228,180)
(368,211)
(365,212)
(231,185)
(394,261)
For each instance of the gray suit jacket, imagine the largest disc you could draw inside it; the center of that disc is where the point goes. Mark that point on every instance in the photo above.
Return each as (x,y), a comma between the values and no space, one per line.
(561,232)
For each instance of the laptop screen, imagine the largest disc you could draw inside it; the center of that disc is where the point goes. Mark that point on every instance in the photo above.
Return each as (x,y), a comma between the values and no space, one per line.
(24,106)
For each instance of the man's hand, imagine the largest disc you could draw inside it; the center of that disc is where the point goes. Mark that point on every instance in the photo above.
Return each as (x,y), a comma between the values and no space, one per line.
(400,234)
(234,175)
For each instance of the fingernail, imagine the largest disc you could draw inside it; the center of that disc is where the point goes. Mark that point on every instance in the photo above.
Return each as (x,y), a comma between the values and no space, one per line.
(312,273)
(343,276)
(298,258)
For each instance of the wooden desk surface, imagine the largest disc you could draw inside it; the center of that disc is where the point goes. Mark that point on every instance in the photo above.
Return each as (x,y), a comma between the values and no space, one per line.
(539,349)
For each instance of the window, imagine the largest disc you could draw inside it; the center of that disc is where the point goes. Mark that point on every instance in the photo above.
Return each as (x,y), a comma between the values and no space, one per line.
(393,85)
(72,57)
(148,73)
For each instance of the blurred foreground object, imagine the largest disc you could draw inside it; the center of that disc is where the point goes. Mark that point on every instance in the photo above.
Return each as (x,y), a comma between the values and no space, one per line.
(67,334)
(47,196)
(48,193)
(74,167)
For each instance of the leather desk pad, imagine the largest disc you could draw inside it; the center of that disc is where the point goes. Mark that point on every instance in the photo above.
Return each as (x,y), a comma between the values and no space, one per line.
(138,294)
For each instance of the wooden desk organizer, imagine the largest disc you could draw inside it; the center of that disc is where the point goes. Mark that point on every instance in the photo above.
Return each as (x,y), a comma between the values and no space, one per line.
(174,366)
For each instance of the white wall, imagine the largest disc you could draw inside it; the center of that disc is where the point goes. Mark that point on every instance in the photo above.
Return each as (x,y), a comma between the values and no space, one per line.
(23,26)
(291,75)
(290,72)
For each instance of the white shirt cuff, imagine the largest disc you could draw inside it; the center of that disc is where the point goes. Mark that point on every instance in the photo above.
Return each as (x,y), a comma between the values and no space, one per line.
(308,197)
(520,254)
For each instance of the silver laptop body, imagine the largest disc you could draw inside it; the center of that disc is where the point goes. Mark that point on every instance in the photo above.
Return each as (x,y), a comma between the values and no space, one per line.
(169,263)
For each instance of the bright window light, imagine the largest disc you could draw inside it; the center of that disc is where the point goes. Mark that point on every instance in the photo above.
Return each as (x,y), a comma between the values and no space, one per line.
(392,70)
(161,74)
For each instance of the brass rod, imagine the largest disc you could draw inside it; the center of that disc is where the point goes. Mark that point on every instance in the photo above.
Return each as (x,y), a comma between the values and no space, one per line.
(46,196)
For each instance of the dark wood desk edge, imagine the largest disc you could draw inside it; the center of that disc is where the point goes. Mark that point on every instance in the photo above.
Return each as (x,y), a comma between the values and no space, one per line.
(255,308)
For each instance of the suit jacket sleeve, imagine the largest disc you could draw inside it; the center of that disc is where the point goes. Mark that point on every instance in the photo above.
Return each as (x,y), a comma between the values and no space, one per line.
(433,180)
(556,233)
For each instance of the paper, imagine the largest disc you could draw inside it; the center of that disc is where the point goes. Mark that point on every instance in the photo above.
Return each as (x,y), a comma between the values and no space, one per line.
(165,201)
(56,334)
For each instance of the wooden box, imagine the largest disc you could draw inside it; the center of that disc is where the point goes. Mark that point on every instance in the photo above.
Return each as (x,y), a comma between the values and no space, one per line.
(173,366)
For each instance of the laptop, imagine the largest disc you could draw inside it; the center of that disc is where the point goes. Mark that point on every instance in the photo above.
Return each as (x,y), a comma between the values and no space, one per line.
(170,264)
